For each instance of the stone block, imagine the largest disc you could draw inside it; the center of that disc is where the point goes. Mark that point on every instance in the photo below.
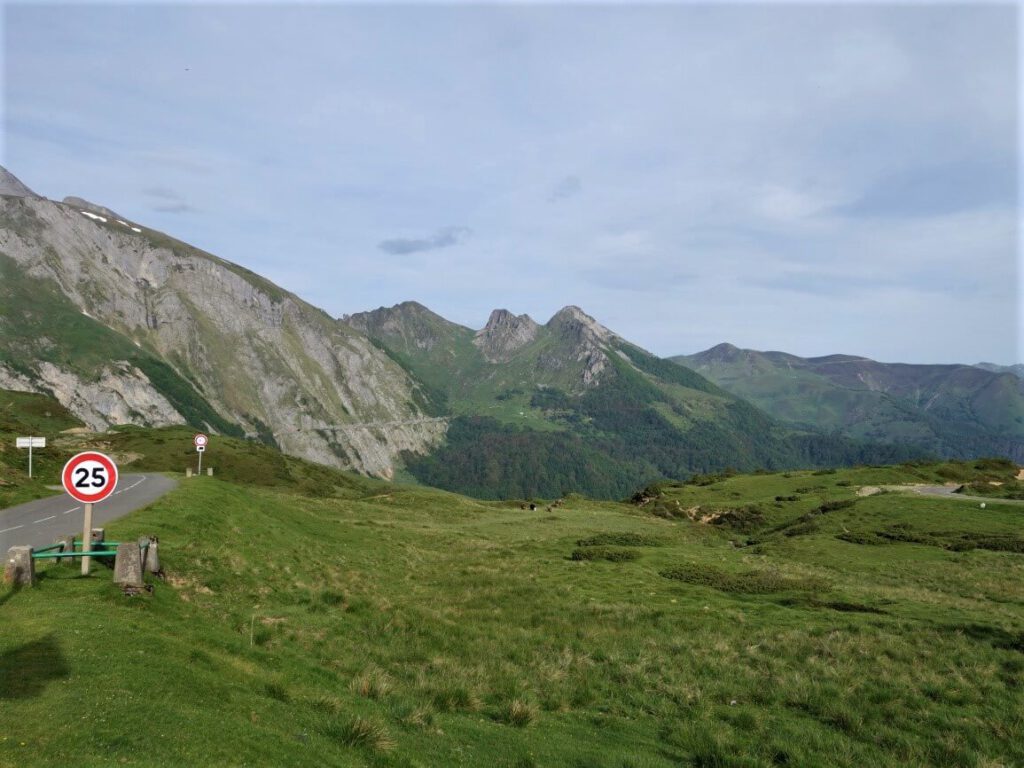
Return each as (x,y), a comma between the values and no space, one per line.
(19,568)
(128,565)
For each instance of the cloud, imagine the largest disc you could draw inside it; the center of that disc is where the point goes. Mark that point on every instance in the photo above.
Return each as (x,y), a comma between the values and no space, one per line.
(443,238)
(937,190)
(166,200)
(568,187)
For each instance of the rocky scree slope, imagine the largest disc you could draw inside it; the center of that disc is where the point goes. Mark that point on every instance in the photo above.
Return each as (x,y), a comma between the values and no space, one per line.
(124,324)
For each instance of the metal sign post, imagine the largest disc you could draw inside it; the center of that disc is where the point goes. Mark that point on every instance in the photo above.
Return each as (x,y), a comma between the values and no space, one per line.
(30,443)
(200,441)
(89,477)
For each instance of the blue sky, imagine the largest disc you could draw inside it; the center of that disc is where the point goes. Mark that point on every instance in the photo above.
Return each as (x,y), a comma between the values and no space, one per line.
(813,178)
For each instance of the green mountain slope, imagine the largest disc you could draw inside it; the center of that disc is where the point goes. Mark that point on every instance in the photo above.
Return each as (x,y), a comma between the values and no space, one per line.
(540,410)
(949,410)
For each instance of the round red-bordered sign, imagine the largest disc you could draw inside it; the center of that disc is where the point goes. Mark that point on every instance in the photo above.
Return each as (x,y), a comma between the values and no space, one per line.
(89,477)
(200,440)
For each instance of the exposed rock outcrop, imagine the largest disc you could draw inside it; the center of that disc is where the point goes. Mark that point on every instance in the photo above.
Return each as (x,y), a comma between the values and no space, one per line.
(504,335)
(587,341)
(12,186)
(120,394)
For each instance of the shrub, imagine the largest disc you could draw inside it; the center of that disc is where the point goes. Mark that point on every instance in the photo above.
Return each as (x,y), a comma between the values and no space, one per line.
(801,529)
(750,582)
(832,506)
(858,537)
(611,554)
(621,539)
(743,519)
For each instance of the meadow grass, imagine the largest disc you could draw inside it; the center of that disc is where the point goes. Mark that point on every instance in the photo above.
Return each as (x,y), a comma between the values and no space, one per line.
(399,626)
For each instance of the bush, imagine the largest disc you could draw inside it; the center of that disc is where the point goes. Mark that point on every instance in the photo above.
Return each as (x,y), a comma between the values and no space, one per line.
(856,537)
(832,506)
(743,519)
(611,554)
(750,582)
(621,539)
(801,529)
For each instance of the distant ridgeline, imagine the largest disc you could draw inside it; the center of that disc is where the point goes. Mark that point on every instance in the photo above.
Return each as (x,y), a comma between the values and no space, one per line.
(953,411)
(542,410)
(125,325)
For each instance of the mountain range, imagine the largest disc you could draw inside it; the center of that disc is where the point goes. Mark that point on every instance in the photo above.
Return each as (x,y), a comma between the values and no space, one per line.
(127,325)
(949,410)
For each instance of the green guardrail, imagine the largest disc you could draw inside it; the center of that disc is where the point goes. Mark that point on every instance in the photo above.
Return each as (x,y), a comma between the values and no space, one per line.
(96,553)
(43,553)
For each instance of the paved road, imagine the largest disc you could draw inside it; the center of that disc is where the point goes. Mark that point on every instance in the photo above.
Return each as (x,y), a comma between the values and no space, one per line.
(43,521)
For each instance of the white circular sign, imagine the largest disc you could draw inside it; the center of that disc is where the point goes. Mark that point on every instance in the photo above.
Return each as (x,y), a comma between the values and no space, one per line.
(200,440)
(89,477)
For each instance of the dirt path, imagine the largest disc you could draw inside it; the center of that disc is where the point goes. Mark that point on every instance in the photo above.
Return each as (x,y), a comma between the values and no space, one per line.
(945,492)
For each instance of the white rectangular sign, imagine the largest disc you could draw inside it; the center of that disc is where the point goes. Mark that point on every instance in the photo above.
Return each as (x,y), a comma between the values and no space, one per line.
(30,442)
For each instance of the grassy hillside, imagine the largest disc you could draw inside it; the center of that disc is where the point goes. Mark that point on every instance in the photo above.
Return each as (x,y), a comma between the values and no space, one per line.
(24,414)
(395,626)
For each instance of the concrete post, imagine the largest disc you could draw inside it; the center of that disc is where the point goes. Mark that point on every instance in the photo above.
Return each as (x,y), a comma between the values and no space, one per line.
(68,545)
(152,564)
(87,538)
(209,471)
(188,471)
(19,568)
(128,565)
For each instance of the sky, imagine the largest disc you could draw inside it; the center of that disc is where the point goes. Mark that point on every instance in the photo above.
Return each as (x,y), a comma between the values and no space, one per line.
(814,178)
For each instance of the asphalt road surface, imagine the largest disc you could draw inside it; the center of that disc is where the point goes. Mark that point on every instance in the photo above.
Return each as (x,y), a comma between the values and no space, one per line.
(43,521)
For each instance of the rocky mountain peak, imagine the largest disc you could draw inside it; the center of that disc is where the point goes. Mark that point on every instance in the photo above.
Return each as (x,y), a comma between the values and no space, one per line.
(721,353)
(573,322)
(416,325)
(12,187)
(504,335)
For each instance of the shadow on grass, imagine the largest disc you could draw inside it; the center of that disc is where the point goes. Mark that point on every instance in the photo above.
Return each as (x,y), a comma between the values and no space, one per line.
(11,592)
(26,670)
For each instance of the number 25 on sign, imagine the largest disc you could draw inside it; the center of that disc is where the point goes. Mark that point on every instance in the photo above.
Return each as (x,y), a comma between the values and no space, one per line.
(89,477)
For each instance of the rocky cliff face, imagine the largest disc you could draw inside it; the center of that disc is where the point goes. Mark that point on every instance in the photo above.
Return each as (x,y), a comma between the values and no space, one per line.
(264,359)
(504,335)
(586,341)
(119,394)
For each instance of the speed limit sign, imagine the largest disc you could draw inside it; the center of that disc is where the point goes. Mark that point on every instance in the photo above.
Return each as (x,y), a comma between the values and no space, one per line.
(89,477)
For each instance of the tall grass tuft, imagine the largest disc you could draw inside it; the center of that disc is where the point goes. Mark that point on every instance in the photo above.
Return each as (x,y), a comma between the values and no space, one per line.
(519,713)
(359,732)
(371,684)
